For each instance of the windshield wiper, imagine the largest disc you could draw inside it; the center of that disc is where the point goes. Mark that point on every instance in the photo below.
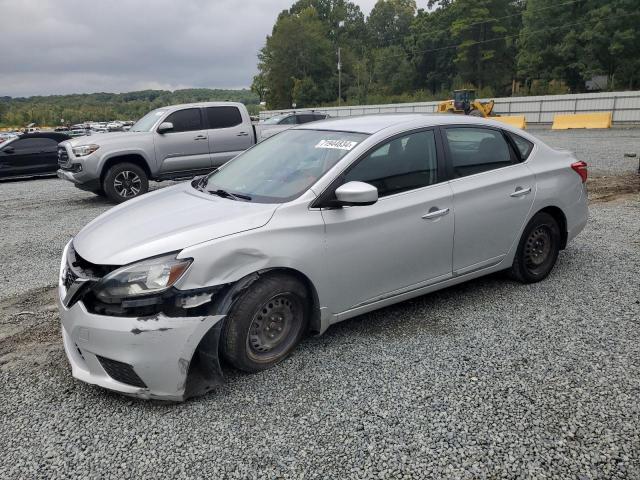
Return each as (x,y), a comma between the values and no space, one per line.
(232,196)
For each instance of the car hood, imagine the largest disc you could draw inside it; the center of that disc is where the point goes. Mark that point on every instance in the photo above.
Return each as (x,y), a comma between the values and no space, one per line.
(265,131)
(105,138)
(163,221)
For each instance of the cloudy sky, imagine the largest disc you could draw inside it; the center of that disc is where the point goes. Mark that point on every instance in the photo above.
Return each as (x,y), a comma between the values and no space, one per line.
(81,46)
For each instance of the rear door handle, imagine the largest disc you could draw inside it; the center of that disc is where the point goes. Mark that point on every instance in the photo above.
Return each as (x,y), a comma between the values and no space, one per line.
(242,134)
(200,137)
(521,192)
(435,213)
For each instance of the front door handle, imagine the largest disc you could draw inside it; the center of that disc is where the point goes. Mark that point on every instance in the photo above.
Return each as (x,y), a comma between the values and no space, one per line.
(435,213)
(200,137)
(521,192)
(242,134)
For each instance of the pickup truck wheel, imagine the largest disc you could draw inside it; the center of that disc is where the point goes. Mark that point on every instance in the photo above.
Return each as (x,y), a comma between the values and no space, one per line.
(125,181)
(265,324)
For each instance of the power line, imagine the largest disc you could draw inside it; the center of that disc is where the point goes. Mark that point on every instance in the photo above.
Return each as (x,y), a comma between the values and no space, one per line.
(478,42)
(422,34)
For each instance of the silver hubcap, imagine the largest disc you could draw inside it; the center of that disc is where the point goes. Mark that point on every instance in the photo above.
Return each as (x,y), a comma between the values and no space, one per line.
(127,184)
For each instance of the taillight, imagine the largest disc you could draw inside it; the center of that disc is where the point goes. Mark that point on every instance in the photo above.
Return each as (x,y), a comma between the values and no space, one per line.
(581,169)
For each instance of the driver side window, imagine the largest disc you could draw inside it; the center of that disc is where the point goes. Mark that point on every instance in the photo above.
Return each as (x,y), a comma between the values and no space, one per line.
(405,163)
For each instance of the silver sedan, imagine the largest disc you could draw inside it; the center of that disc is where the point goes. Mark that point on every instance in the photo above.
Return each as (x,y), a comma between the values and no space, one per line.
(313,226)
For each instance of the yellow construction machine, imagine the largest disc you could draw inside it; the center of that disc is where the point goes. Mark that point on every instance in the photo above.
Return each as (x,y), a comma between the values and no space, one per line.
(464,102)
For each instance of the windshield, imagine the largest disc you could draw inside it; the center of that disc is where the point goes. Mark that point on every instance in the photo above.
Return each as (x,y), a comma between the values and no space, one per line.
(148,121)
(275,120)
(6,141)
(282,167)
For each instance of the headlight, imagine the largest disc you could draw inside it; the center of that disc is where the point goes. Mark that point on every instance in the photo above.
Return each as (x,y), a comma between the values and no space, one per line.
(143,278)
(84,150)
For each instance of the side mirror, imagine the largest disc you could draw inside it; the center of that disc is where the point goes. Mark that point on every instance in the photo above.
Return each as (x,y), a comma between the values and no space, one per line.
(9,150)
(165,127)
(356,193)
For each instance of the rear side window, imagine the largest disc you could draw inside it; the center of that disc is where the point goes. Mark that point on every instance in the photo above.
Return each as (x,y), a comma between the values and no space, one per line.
(306,118)
(291,120)
(476,150)
(402,164)
(186,120)
(34,143)
(223,117)
(523,145)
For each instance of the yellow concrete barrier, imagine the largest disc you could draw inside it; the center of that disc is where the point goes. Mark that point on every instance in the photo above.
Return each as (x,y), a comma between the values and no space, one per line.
(513,120)
(582,120)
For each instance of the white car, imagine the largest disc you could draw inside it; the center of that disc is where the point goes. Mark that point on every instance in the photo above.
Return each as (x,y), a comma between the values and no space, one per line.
(279,123)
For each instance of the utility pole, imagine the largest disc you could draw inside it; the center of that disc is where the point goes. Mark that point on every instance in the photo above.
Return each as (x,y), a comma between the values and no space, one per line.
(339,78)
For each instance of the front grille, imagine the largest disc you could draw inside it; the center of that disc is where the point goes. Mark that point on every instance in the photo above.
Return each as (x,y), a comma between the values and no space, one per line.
(69,278)
(86,269)
(121,372)
(63,157)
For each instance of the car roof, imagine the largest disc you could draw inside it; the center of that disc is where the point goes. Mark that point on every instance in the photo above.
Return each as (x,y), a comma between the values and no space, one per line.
(374,123)
(53,135)
(201,105)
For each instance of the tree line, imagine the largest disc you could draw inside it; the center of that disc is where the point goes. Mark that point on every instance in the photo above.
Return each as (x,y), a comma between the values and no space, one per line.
(70,109)
(399,53)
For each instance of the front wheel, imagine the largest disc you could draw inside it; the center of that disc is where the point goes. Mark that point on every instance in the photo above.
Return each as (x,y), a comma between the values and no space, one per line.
(125,181)
(266,323)
(538,249)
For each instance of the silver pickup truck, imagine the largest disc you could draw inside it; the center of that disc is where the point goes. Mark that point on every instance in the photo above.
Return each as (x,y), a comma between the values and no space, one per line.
(170,143)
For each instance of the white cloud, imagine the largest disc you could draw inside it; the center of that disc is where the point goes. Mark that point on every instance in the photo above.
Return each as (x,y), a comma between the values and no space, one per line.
(69,46)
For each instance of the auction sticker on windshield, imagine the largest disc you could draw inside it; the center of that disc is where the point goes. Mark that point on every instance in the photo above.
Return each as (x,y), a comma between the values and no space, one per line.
(339,144)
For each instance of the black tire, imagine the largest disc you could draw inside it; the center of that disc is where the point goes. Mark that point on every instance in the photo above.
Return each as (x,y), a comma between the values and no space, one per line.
(252,344)
(538,249)
(476,113)
(125,181)
(99,192)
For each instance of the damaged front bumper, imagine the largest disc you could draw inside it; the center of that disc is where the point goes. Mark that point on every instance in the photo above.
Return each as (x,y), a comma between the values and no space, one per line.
(151,357)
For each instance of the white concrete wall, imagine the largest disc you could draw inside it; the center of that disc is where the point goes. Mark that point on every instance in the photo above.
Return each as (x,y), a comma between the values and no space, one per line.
(539,109)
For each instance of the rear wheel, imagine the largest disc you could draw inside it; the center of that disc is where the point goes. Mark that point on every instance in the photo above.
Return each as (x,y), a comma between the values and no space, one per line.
(266,323)
(125,181)
(538,249)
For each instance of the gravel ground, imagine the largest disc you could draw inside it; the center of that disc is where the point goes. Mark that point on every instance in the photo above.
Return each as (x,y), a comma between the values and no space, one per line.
(603,150)
(490,379)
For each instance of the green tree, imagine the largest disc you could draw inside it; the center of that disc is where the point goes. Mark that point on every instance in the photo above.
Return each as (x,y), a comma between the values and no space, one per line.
(47,111)
(298,48)
(611,43)
(346,30)
(389,22)
(484,57)
(549,42)
(429,42)
(393,74)
(259,86)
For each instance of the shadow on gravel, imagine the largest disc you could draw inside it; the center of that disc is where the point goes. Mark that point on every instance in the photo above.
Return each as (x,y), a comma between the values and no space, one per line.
(418,314)
(25,179)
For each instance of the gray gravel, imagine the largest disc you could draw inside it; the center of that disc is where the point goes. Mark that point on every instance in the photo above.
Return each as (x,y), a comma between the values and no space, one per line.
(490,379)
(603,150)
